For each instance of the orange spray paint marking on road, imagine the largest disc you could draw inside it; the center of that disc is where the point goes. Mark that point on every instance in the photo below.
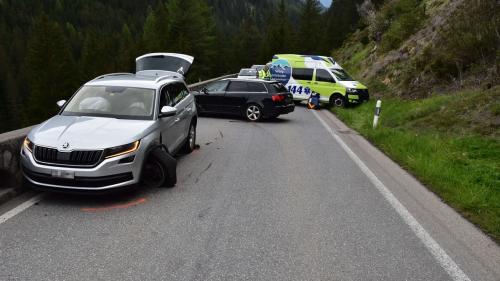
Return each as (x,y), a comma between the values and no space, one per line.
(114,207)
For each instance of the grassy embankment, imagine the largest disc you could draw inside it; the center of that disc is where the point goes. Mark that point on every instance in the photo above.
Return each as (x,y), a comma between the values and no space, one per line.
(451,143)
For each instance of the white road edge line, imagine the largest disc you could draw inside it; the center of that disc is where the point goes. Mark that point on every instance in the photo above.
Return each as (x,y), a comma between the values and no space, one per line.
(434,248)
(20,208)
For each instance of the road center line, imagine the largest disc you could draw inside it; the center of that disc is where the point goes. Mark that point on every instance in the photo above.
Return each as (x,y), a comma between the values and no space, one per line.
(434,248)
(20,208)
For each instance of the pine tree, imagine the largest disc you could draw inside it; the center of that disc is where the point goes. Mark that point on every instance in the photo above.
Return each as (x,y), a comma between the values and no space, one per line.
(341,19)
(50,68)
(310,37)
(192,31)
(155,30)
(246,44)
(279,35)
(127,50)
(98,56)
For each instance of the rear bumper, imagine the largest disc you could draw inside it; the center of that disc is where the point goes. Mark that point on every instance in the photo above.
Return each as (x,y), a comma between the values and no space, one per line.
(280,109)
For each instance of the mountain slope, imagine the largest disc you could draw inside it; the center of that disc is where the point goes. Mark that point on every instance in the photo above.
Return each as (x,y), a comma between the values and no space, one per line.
(414,47)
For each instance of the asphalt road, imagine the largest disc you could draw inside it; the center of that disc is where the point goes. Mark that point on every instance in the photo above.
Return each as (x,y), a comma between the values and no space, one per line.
(277,200)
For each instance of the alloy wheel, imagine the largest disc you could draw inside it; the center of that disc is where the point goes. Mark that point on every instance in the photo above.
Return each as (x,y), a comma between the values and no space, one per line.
(253,113)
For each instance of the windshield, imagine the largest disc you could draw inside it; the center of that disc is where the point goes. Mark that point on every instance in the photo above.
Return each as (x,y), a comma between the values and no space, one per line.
(248,72)
(341,74)
(113,102)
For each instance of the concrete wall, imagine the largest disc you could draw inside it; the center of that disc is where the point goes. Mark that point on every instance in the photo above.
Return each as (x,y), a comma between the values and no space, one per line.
(10,145)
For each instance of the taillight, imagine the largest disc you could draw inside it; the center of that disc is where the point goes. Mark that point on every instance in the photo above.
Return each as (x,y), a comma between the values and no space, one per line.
(278,98)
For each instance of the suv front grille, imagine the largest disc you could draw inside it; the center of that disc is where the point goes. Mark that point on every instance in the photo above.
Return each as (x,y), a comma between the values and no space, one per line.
(73,158)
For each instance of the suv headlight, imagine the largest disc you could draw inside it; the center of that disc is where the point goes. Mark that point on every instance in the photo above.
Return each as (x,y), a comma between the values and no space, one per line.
(351,91)
(121,150)
(28,144)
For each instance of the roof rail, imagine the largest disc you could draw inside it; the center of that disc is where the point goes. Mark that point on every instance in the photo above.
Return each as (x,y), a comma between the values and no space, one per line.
(167,77)
(112,74)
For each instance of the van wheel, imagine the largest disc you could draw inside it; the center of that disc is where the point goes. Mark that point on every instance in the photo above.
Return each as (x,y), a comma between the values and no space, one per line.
(338,100)
(190,141)
(253,113)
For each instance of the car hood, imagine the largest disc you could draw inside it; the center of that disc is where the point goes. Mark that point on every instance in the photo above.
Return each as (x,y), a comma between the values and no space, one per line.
(352,84)
(89,133)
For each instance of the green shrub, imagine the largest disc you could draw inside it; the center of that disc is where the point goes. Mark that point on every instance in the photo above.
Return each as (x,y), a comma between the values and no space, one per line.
(406,17)
(470,38)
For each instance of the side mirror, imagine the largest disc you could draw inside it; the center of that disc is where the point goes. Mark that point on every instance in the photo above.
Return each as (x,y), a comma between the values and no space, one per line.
(167,111)
(205,91)
(61,103)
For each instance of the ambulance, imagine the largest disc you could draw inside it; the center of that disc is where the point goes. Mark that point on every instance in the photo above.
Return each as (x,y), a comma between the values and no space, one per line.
(305,74)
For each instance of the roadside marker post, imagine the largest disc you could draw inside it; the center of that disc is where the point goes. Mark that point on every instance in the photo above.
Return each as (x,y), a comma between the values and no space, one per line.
(377,113)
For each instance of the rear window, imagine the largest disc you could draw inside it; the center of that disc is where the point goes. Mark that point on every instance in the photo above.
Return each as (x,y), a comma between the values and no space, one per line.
(303,74)
(276,88)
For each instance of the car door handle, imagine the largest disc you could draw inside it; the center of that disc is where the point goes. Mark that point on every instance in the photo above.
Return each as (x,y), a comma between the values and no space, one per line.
(177,119)
(189,109)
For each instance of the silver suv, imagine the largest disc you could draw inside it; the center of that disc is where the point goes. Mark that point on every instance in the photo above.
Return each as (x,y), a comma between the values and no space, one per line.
(118,130)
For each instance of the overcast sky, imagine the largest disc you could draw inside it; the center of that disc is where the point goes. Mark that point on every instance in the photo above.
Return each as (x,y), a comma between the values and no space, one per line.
(327,3)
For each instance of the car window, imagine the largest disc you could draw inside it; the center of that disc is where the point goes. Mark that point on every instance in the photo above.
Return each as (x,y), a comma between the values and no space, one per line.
(303,74)
(219,86)
(184,91)
(175,94)
(256,87)
(324,76)
(164,98)
(237,86)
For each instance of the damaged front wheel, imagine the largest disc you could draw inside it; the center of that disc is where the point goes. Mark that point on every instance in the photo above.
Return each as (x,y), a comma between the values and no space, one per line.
(159,169)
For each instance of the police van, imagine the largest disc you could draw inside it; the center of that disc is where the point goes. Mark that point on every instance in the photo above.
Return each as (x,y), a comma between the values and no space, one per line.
(303,74)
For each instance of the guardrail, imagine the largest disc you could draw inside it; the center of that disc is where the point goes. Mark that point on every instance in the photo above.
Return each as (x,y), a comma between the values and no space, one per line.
(10,144)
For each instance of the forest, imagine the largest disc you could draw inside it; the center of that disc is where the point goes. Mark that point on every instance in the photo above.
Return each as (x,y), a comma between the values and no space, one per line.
(49,48)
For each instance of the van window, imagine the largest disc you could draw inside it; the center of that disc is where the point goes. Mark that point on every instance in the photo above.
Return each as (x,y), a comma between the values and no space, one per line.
(341,74)
(324,76)
(303,74)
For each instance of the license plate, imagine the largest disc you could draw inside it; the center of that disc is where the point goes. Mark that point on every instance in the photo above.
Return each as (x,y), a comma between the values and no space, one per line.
(63,174)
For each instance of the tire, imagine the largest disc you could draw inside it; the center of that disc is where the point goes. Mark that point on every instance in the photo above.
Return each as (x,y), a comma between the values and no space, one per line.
(338,100)
(253,112)
(159,169)
(190,142)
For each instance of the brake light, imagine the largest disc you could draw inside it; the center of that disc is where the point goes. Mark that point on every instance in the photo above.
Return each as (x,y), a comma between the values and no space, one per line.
(278,98)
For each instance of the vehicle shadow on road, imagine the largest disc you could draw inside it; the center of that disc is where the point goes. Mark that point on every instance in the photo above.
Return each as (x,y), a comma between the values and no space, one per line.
(236,119)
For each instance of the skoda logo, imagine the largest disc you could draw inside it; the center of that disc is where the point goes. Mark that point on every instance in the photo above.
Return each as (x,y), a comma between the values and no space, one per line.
(65,145)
